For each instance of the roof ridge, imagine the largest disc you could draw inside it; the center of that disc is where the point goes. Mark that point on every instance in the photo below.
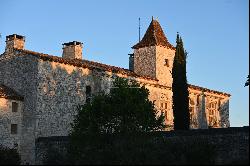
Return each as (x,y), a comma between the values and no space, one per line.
(84,63)
(154,32)
(87,64)
(209,90)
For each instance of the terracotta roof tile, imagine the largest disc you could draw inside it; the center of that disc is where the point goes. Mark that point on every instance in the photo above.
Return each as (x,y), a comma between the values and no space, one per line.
(96,65)
(154,36)
(84,64)
(208,90)
(8,93)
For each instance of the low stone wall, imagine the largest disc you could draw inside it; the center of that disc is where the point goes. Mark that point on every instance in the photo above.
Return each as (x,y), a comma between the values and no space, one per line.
(232,144)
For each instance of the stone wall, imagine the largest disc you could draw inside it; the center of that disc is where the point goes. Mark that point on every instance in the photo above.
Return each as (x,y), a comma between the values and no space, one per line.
(162,98)
(7,117)
(164,65)
(19,72)
(52,91)
(145,61)
(208,109)
(231,144)
(61,89)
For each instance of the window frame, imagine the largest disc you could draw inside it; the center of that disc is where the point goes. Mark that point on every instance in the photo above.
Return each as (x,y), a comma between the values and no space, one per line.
(166,62)
(14,105)
(13,129)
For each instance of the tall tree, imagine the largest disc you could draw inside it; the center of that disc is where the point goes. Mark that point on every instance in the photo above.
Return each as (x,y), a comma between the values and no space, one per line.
(247,82)
(180,88)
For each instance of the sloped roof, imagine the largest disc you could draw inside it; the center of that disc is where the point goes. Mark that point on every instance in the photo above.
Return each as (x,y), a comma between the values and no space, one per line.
(207,90)
(154,36)
(100,66)
(84,64)
(8,93)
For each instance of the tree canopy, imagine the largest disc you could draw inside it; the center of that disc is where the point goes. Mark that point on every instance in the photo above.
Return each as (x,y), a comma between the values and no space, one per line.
(125,109)
(180,88)
(123,112)
(247,82)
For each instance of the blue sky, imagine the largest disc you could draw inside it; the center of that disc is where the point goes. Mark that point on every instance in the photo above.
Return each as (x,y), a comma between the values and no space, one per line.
(215,34)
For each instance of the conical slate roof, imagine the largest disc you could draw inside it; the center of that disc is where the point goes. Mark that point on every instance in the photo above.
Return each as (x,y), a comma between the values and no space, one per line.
(154,36)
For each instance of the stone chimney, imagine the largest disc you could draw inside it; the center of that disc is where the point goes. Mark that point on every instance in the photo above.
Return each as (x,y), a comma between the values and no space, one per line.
(14,41)
(72,50)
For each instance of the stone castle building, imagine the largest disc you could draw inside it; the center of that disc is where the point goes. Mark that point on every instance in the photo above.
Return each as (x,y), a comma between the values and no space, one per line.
(39,93)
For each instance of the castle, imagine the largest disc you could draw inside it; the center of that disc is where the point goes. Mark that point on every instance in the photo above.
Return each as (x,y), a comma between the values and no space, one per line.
(39,93)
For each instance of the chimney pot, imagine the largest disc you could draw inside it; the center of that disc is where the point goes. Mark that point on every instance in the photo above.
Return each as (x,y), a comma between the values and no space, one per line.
(14,41)
(72,50)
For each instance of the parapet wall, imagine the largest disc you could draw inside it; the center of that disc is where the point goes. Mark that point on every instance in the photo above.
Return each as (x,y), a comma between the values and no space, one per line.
(232,144)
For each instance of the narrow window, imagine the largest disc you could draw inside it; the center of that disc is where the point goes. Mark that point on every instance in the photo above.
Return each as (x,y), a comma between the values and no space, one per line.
(198,101)
(13,128)
(88,94)
(14,106)
(167,62)
(166,105)
(161,105)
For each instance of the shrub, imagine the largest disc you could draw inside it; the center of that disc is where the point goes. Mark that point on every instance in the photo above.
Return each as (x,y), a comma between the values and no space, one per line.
(9,156)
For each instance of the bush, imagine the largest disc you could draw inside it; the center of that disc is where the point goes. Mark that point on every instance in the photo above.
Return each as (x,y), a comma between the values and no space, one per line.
(54,157)
(9,156)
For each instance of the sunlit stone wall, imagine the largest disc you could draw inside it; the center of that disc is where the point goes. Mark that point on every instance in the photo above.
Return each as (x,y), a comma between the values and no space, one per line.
(61,88)
(52,91)
(208,109)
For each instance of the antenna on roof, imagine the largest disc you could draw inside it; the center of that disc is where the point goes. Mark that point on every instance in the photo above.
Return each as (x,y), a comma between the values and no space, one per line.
(139,29)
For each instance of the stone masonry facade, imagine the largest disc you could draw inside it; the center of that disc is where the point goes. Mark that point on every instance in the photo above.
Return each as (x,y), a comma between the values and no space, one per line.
(50,88)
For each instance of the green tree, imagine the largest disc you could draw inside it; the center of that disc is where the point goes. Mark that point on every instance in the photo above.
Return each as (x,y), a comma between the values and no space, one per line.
(247,82)
(125,111)
(9,156)
(180,88)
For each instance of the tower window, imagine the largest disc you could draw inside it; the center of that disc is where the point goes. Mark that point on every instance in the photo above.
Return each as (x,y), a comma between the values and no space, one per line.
(167,62)
(14,106)
(13,128)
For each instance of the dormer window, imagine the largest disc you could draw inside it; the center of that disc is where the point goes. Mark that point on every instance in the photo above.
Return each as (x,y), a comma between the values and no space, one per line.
(166,62)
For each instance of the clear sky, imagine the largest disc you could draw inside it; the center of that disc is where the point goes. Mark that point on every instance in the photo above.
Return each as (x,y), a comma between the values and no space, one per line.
(215,34)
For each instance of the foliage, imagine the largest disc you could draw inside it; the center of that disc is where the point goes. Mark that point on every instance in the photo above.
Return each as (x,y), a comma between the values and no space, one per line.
(9,156)
(247,82)
(54,156)
(126,110)
(180,88)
